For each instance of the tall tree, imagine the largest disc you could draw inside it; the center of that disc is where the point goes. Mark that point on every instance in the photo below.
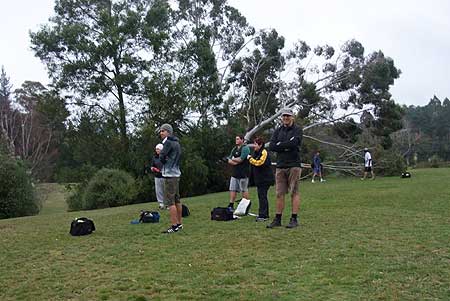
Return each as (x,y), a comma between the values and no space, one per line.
(7,114)
(102,51)
(41,117)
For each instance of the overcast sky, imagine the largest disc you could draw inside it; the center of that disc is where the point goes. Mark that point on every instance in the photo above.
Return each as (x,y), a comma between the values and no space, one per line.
(416,34)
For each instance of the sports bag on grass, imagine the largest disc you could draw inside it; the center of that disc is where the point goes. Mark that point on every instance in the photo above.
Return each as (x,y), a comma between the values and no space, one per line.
(185,210)
(243,207)
(405,175)
(222,214)
(81,226)
(149,217)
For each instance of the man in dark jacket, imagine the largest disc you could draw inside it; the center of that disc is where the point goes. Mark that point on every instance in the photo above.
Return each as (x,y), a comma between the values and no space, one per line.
(170,158)
(286,141)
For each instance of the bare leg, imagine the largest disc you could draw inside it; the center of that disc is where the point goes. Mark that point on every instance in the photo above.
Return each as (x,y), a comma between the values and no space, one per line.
(173,212)
(295,202)
(280,204)
(232,196)
(179,212)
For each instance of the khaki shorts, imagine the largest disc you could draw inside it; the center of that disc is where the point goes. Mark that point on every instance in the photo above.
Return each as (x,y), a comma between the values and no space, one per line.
(171,191)
(287,180)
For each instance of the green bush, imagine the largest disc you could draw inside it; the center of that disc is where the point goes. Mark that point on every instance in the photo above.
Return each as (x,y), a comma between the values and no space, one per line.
(145,189)
(75,199)
(17,195)
(107,188)
(435,161)
(389,163)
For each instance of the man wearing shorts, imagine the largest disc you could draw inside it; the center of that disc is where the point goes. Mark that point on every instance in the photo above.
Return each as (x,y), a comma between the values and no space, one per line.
(170,158)
(286,141)
(367,164)
(241,169)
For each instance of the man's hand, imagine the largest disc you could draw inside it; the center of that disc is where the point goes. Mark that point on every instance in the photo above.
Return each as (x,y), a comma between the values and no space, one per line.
(154,169)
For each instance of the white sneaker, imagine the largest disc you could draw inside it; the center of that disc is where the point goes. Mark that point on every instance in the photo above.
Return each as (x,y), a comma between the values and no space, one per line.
(312,181)
(322,180)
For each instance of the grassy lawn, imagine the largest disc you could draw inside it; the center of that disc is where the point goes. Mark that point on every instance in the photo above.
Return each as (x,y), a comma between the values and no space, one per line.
(386,239)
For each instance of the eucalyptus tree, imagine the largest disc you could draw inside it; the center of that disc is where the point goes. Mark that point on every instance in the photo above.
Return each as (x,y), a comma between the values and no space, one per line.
(255,80)
(328,85)
(100,52)
(208,36)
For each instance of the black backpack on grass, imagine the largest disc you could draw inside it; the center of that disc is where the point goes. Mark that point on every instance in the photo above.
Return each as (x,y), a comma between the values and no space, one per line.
(222,214)
(185,211)
(81,226)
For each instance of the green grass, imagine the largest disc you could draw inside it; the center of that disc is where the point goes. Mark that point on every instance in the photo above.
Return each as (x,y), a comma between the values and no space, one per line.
(386,239)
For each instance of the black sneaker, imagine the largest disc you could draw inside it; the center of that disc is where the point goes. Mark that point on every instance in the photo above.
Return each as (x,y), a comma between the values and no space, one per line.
(179,227)
(171,230)
(274,223)
(261,219)
(292,223)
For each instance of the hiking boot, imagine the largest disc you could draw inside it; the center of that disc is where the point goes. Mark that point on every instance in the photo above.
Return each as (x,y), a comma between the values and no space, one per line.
(292,223)
(274,223)
(261,219)
(172,229)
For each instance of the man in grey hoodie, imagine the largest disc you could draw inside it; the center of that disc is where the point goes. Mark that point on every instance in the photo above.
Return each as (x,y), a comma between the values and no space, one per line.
(170,158)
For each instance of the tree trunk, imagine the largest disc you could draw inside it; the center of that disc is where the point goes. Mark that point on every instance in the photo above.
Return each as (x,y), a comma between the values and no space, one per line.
(123,130)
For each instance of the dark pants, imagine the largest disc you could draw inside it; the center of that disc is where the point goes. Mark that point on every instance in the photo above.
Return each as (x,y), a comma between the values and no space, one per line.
(263,201)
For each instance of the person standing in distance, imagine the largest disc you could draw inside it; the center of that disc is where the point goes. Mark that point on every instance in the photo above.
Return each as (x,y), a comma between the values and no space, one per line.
(286,141)
(317,167)
(170,158)
(367,164)
(241,170)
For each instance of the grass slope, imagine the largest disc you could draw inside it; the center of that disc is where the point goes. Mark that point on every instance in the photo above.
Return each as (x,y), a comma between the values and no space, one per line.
(374,240)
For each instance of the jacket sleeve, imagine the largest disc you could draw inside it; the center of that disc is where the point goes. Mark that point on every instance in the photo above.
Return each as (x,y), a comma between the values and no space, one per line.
(261,160)
(273,141)
(165,151)
(294,142)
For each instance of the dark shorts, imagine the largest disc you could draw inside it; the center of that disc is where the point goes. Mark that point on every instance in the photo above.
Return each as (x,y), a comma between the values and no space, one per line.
(287,180)
(316,170)
(368,169)
(171,191)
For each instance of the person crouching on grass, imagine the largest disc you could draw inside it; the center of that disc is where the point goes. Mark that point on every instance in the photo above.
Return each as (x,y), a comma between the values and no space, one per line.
(170,158)
(263,176)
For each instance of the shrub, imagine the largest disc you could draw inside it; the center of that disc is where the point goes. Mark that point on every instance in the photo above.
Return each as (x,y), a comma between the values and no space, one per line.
(17,195)
(145,189)
(75,199)
(389,163)
(434,161)
(109,188)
